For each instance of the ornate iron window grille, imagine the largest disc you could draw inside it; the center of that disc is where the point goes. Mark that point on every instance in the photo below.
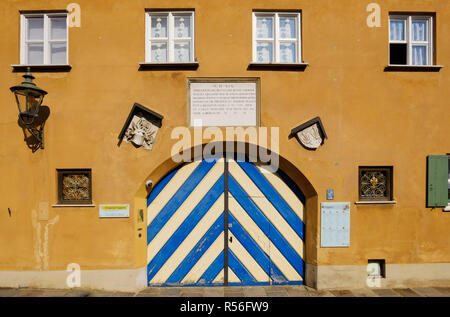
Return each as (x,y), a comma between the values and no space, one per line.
(75,186)
(375,183)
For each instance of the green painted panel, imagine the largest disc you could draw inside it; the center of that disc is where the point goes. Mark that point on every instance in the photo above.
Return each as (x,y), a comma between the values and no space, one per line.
(437,182)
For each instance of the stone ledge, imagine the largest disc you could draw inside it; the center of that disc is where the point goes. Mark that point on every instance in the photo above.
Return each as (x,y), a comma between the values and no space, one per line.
(168,66)
(300,67)
(372,202)
(413,68)
(41,68)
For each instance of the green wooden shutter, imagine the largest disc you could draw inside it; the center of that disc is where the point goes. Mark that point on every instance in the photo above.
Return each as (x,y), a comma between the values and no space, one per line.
(437,182)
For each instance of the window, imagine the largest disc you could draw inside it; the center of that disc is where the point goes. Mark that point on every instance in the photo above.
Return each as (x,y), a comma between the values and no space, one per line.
(438,181)
(74,186)
(170,37)
(410,40)
(276,37)
(44,39)
(375,183)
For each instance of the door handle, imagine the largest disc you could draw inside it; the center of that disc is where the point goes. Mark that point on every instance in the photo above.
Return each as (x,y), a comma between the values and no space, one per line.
(231,239)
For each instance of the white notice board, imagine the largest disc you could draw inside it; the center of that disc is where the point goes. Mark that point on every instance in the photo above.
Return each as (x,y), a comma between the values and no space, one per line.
(335,224)
(223,102)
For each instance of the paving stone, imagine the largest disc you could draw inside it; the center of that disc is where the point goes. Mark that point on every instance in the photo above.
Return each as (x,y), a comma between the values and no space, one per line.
(324,293)
(254,292)
(27,292)
(406,292)
(110,294)
(101,294)
(385,292)
(170,292)
(363,293)
(142,294)
(277,293)
(192,294)
(149,292)
(444,290)
(213,292)
(54,293)
(8,292)
(428,292)
(293,292)
(233,291)
(342,293)
(77,293)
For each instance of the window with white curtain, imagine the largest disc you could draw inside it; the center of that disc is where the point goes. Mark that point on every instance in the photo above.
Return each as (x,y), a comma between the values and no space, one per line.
(44,39)
(276,37)
(170,37)
(410,40)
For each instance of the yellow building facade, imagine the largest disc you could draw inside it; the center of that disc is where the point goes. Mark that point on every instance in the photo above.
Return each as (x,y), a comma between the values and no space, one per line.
(345,67)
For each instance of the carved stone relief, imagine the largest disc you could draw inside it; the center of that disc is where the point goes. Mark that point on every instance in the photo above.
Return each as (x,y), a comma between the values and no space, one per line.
(310,137)
(141,132)
(310,134)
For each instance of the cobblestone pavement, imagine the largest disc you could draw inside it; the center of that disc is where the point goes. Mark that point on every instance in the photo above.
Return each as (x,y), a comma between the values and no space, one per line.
(250,291)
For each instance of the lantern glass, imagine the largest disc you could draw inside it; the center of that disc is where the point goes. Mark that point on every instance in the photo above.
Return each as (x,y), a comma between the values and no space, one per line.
(28,101)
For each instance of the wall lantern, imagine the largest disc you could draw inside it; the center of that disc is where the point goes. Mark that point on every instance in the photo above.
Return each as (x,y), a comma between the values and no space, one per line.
(29,98)
(310,134)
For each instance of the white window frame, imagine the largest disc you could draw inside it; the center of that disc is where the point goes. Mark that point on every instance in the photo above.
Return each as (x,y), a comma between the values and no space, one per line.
(408,19)
(170,40)
(46,39)
(276,40)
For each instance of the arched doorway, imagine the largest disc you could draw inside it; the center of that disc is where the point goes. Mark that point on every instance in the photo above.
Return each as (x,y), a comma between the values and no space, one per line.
(225,222)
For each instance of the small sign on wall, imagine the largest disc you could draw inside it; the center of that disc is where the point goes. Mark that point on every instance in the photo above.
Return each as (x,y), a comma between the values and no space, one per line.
(330,194)
(114,211)
(335,224)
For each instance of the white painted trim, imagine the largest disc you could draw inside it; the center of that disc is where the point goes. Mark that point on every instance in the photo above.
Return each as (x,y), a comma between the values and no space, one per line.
(170,35)
(275,40)
(408,37)
(46,37)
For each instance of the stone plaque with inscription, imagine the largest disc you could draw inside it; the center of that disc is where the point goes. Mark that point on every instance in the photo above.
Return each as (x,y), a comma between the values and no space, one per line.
(223,102)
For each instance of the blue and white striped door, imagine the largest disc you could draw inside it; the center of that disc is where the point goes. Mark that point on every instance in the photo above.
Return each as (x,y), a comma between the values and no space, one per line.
(187,243)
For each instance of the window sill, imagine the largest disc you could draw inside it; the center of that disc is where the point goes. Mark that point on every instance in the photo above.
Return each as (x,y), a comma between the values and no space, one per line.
(413,68)
(73,205)
(168,66)
(374,202)
(42,68)
(278,66)
(446,208)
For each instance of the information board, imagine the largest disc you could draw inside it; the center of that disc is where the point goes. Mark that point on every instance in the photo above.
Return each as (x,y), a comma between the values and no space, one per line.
(223,102)
(114,211)
(335,224)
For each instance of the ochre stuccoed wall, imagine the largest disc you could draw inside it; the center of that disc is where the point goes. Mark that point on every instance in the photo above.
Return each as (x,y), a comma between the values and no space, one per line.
(371,117)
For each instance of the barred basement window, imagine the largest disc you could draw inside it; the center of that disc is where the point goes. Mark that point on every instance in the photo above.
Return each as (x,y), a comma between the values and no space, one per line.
(74,186)
(375,183)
